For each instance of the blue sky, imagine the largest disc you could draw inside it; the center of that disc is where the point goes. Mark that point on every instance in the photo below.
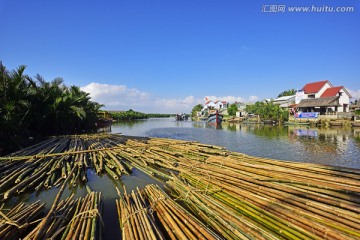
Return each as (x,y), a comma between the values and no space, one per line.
(167,56)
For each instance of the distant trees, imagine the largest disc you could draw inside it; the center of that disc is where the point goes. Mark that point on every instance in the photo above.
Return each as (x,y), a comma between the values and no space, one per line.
(128,115)
(196,109)
(289,92)
(33,107)
(232,109)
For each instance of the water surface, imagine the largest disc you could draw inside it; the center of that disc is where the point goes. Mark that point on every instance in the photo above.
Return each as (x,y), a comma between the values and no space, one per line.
(330,146)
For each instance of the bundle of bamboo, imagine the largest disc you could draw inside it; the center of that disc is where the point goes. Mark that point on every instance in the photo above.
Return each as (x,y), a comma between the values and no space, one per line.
(151,214)
(284,210)
(86,222)
(20,219)
(72,219)
(284,199)
(51,162)
(136,220)
(63,212)
(259,198)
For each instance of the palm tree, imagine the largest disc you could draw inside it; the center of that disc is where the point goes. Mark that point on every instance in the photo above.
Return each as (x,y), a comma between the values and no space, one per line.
(35,106)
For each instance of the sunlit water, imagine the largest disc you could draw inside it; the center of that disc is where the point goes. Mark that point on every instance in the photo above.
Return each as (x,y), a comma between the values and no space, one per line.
(333,146)
(330,146)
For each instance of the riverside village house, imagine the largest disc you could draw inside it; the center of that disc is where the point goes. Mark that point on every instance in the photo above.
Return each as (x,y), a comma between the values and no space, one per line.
(324,99)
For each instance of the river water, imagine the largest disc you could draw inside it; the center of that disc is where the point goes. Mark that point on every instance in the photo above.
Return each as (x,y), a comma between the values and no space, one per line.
(331,146)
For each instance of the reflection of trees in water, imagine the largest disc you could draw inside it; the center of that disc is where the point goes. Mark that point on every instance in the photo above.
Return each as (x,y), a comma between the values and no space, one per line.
(233,127)
(334,141)
(267,131)
(130,123)
(357,134)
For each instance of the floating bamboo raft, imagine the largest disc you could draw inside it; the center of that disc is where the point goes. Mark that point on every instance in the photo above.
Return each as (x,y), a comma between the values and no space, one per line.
(72,219)
(235,195)
(151,214)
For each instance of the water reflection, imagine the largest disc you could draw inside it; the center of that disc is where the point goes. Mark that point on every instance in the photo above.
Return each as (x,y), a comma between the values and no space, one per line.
(331,146)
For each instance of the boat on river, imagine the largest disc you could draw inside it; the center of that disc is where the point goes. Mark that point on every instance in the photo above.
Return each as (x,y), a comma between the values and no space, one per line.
(181,117)
(215,118)
(336,124)
(268,121)
(355,124)
(296,123)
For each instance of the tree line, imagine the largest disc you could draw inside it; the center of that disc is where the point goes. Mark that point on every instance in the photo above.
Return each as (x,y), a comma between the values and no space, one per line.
(32,107)
(133,115)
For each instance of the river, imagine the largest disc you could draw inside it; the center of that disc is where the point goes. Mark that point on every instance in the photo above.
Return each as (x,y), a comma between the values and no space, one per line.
(331,146)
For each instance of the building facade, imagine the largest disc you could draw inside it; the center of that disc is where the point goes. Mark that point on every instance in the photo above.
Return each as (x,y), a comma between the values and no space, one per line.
(323,97)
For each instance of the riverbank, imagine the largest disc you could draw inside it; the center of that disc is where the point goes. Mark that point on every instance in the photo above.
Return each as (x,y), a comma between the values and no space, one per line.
(278,199)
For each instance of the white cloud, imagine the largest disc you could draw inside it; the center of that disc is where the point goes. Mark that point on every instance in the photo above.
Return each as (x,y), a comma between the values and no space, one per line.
(253,98)
(120,97)
(114,96)
(355,93)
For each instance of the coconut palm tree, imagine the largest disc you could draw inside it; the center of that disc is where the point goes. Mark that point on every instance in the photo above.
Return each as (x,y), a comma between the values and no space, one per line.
(34,106)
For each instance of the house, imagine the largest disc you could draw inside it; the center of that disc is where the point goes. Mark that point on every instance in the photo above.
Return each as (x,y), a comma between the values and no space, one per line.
(210,104)
(218,105)
(221,105)
(323,97)
(285,101)
(241,109)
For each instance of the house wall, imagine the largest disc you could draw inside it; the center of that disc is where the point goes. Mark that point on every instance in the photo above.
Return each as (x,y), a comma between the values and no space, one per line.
(210,104)
(344,99)
(219,105)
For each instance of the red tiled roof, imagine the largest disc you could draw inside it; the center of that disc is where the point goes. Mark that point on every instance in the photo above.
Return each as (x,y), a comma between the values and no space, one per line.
(331,92)
(314,87)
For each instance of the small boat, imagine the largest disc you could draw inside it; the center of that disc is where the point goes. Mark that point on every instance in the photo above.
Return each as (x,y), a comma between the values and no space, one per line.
(337,124)
(181,117)
(269,122)
(234,120)
(215,118)
(103,123)
(296,123)
(355,124)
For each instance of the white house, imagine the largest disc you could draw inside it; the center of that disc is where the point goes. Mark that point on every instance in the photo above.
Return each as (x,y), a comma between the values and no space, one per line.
(218,105)
(285,101)
(221,105)
(322,97)
(210,104)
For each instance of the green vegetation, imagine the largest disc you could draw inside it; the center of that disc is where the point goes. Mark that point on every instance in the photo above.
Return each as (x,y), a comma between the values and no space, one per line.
(267,110)
(132,115)
(195,109)
(287,93)
(36,108)
(357,112)
(159,115)
(128,115)
(232,109)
